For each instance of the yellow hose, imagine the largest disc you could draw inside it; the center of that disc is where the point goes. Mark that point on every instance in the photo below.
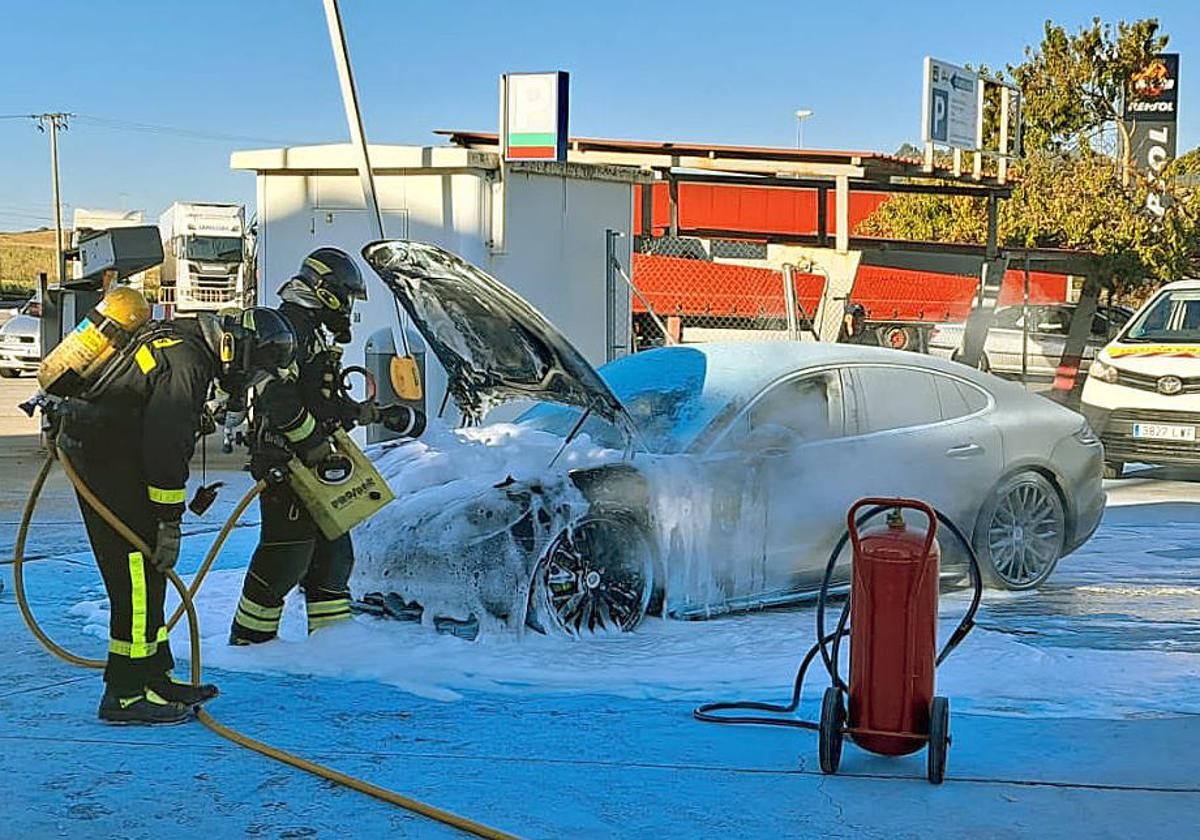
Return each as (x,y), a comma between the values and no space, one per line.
(186,595)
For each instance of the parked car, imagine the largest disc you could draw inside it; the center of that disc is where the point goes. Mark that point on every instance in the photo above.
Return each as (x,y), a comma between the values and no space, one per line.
(733,466)
(1049,325)
(21,341)
(1142,393)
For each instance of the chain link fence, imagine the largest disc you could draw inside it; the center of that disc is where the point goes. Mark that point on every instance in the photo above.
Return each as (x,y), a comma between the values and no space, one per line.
(688,290)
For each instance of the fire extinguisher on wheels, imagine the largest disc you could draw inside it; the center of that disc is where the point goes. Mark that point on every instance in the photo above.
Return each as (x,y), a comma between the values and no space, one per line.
(889,706)
(892,709)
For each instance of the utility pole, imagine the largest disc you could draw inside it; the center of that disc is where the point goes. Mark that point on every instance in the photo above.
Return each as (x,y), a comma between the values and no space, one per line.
(56,121)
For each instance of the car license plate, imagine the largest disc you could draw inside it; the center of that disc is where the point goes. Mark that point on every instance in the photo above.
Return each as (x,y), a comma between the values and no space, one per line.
(1163,431)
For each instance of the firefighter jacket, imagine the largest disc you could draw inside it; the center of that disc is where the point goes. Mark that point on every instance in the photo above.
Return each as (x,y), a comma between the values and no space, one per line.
(148,407)
(320,366)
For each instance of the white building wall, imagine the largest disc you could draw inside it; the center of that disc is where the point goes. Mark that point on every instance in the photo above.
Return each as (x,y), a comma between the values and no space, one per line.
(553,256)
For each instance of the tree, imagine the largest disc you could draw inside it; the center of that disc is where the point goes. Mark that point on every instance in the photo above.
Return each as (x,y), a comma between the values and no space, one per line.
(1073,86)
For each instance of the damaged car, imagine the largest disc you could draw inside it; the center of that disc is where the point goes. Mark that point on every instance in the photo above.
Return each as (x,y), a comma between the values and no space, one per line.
(718,475)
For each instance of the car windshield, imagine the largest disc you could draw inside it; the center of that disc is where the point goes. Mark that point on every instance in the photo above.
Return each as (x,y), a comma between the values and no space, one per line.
(214,248)
(663,391)
(1173,316)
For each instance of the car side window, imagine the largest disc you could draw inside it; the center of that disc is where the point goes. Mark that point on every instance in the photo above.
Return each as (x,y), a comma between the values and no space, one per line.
(794,411)
(1009,319)
(957,399)
(1053,320)
(807,407)
(895,398)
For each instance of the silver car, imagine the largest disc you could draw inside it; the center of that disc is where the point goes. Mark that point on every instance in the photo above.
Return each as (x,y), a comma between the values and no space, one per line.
(741,460)
(21,341)
(1049,325)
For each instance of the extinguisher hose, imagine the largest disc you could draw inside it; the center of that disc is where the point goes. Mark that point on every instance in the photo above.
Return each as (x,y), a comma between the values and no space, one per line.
(828,645)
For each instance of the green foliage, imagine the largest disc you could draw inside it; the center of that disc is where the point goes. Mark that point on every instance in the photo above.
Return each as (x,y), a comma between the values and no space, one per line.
(1066,194)
(1073,85)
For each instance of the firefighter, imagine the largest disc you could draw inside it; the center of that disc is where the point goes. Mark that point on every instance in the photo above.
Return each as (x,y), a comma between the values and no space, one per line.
(296,419)
(854,327)
(130,433)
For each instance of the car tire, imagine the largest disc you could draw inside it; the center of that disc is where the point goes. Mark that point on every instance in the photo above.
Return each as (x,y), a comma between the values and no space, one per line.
(1114,469)
(597,575)
(1021,532)
(985,364)
(9,373)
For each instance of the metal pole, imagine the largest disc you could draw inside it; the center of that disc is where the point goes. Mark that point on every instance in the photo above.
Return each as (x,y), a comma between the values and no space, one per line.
(341,58)
(1025,328)
(789,302)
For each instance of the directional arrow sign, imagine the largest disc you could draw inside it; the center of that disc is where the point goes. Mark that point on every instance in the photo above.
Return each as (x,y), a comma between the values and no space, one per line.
(950,106)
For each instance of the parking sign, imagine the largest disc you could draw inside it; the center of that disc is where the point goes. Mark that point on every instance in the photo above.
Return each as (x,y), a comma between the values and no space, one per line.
(950,105)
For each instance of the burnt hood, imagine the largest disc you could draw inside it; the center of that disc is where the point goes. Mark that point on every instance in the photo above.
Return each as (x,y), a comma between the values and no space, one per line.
(494,345)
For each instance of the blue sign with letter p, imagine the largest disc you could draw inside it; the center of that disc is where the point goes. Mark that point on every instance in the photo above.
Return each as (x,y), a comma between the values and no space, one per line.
(939,115)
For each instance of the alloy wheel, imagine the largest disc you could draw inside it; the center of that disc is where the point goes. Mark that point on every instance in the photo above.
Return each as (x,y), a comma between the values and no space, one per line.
(1025,533)
(596,576)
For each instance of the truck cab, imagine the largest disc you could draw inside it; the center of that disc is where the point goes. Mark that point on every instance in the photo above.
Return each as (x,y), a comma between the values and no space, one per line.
(204,256)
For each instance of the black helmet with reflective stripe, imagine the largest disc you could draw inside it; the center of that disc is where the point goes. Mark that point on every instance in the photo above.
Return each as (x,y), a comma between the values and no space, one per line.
(328,283)
(328,279)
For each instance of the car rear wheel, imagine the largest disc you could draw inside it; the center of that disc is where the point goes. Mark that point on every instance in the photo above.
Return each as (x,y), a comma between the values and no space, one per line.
(597,575)
(984,365)
(1021,532)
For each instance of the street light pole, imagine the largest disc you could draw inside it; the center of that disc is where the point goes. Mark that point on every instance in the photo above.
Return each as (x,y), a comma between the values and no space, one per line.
(801,116)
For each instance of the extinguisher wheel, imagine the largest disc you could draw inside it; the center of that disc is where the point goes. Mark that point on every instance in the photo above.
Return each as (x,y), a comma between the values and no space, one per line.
(831,732)
(939,738)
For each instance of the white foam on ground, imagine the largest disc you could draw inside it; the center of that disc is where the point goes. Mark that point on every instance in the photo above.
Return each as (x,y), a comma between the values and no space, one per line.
(741,657)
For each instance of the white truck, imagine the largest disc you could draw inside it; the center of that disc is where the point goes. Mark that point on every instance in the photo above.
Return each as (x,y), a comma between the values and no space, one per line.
(204,256)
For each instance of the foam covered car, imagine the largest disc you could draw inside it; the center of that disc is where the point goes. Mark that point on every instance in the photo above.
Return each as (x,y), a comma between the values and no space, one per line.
(701,479)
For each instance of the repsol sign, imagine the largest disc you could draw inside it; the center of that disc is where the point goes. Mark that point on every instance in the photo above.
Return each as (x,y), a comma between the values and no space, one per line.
(1153,91)
(1153,144)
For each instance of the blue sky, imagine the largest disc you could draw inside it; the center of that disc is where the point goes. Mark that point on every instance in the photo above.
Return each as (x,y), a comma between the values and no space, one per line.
(261,69)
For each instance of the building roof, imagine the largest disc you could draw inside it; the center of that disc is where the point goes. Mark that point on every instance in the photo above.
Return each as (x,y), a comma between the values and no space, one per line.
(734,159)
(342,159)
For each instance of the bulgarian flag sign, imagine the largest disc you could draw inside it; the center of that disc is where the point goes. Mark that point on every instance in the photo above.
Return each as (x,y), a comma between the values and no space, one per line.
(535,116)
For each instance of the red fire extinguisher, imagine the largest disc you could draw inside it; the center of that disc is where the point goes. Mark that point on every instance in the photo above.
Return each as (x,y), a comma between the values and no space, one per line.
(893,644)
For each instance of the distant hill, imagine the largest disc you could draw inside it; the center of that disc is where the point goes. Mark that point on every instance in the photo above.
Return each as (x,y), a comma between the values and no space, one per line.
(23,254)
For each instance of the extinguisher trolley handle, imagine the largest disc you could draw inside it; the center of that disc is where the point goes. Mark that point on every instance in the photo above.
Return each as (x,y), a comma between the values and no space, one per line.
(885,501)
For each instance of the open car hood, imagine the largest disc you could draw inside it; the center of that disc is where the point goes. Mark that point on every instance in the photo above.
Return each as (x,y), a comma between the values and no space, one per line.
(494,346)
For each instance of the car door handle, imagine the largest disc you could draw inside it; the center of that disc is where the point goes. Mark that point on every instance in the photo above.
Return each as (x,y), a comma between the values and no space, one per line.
(965,450)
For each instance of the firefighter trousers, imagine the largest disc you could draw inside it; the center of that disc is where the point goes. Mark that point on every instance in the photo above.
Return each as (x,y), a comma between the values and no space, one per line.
(292,551)
(138,650)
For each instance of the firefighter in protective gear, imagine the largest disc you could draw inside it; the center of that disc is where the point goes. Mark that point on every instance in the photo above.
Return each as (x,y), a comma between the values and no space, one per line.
(131,433)
(297,418)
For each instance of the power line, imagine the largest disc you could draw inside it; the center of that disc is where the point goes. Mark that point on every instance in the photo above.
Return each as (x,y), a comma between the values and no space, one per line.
(192,134)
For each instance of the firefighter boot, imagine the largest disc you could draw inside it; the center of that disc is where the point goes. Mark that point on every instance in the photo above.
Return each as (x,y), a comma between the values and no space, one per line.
(178,691)
(146,708)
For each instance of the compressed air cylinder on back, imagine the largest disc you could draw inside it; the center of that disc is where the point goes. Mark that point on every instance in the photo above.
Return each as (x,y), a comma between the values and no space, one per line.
(79,357)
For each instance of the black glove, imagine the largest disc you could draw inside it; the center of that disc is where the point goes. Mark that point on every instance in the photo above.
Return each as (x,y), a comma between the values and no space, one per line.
(266,459)
(403,420)
(368,413)
(166,545)
(316,451)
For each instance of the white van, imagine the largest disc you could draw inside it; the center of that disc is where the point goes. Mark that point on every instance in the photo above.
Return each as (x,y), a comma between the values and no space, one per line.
(1142,394)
